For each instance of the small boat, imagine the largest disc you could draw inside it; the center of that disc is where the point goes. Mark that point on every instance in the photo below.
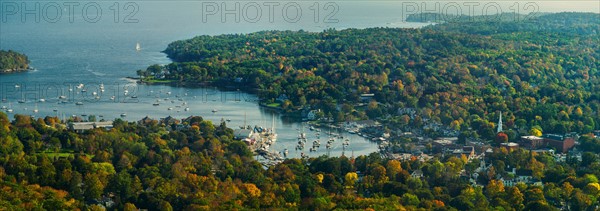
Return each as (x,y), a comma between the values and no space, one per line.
(155,104)
(35,110)
(17,86)
(138,47)
(170,108)
(112,98)
(84,90)
(215,110)
(94,93)
(123,114)
(168,93)
(21,101)
(229,120)
(55,110)
(9,110)
(3,108)
(186,109)
(79,103)
(84,115)
(42,100)
(62,97)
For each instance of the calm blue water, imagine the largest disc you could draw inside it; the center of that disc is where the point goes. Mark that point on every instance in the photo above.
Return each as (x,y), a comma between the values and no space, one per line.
(74,50)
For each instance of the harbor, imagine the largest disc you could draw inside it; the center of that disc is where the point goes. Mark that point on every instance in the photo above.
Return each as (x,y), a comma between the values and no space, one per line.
(308,140)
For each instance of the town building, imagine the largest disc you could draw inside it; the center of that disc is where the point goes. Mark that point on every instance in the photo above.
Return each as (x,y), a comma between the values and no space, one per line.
(531,142)
(366,97)
(417,174)
(242,133)
(562,143)
(559,142)
(81,127)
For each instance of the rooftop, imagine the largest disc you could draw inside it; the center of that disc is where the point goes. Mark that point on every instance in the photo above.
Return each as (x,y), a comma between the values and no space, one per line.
(554,137)
(510,144)
(531,137)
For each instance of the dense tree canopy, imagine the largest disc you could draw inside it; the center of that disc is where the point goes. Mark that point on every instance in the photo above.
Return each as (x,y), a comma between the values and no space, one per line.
(541,79)
(539,72)
(12,61)
(151,167)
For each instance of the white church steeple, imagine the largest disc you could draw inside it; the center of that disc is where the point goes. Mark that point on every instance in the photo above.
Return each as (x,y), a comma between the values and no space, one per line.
(500,123)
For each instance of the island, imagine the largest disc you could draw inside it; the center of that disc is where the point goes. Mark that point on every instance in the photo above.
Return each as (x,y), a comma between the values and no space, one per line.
(11,61)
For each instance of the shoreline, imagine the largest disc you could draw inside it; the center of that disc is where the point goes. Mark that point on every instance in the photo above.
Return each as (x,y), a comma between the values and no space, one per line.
(9,71)
(296,114)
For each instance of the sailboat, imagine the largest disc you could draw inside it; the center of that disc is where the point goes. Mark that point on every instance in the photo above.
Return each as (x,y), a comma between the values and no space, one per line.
(273,134)
(36,109)
(137,47)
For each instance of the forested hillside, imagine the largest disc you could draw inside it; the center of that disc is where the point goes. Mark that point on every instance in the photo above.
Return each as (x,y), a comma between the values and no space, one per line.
(541,74)
(151,166)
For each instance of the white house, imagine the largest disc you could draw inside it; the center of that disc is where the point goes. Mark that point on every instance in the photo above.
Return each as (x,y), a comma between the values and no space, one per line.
(417,174)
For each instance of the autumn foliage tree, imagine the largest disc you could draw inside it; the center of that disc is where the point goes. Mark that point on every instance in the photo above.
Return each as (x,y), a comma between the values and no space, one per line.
(501,137)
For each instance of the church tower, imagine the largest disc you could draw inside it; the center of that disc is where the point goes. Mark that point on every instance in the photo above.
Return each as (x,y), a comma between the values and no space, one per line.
(500,123)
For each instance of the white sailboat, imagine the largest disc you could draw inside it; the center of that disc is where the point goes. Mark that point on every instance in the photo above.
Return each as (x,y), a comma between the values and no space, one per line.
(138,47)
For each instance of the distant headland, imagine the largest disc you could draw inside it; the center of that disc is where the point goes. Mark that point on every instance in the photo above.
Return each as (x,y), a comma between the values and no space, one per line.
(11,61)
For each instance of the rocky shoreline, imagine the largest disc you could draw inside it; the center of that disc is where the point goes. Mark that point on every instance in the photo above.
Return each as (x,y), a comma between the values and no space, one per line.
(7,71)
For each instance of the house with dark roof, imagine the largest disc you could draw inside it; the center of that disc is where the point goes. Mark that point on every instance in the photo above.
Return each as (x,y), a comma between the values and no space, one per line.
(145,121)
(169,120)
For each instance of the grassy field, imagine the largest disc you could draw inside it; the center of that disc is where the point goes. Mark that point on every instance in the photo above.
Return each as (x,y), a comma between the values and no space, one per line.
(274,105)
(62,154)
(153,80)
